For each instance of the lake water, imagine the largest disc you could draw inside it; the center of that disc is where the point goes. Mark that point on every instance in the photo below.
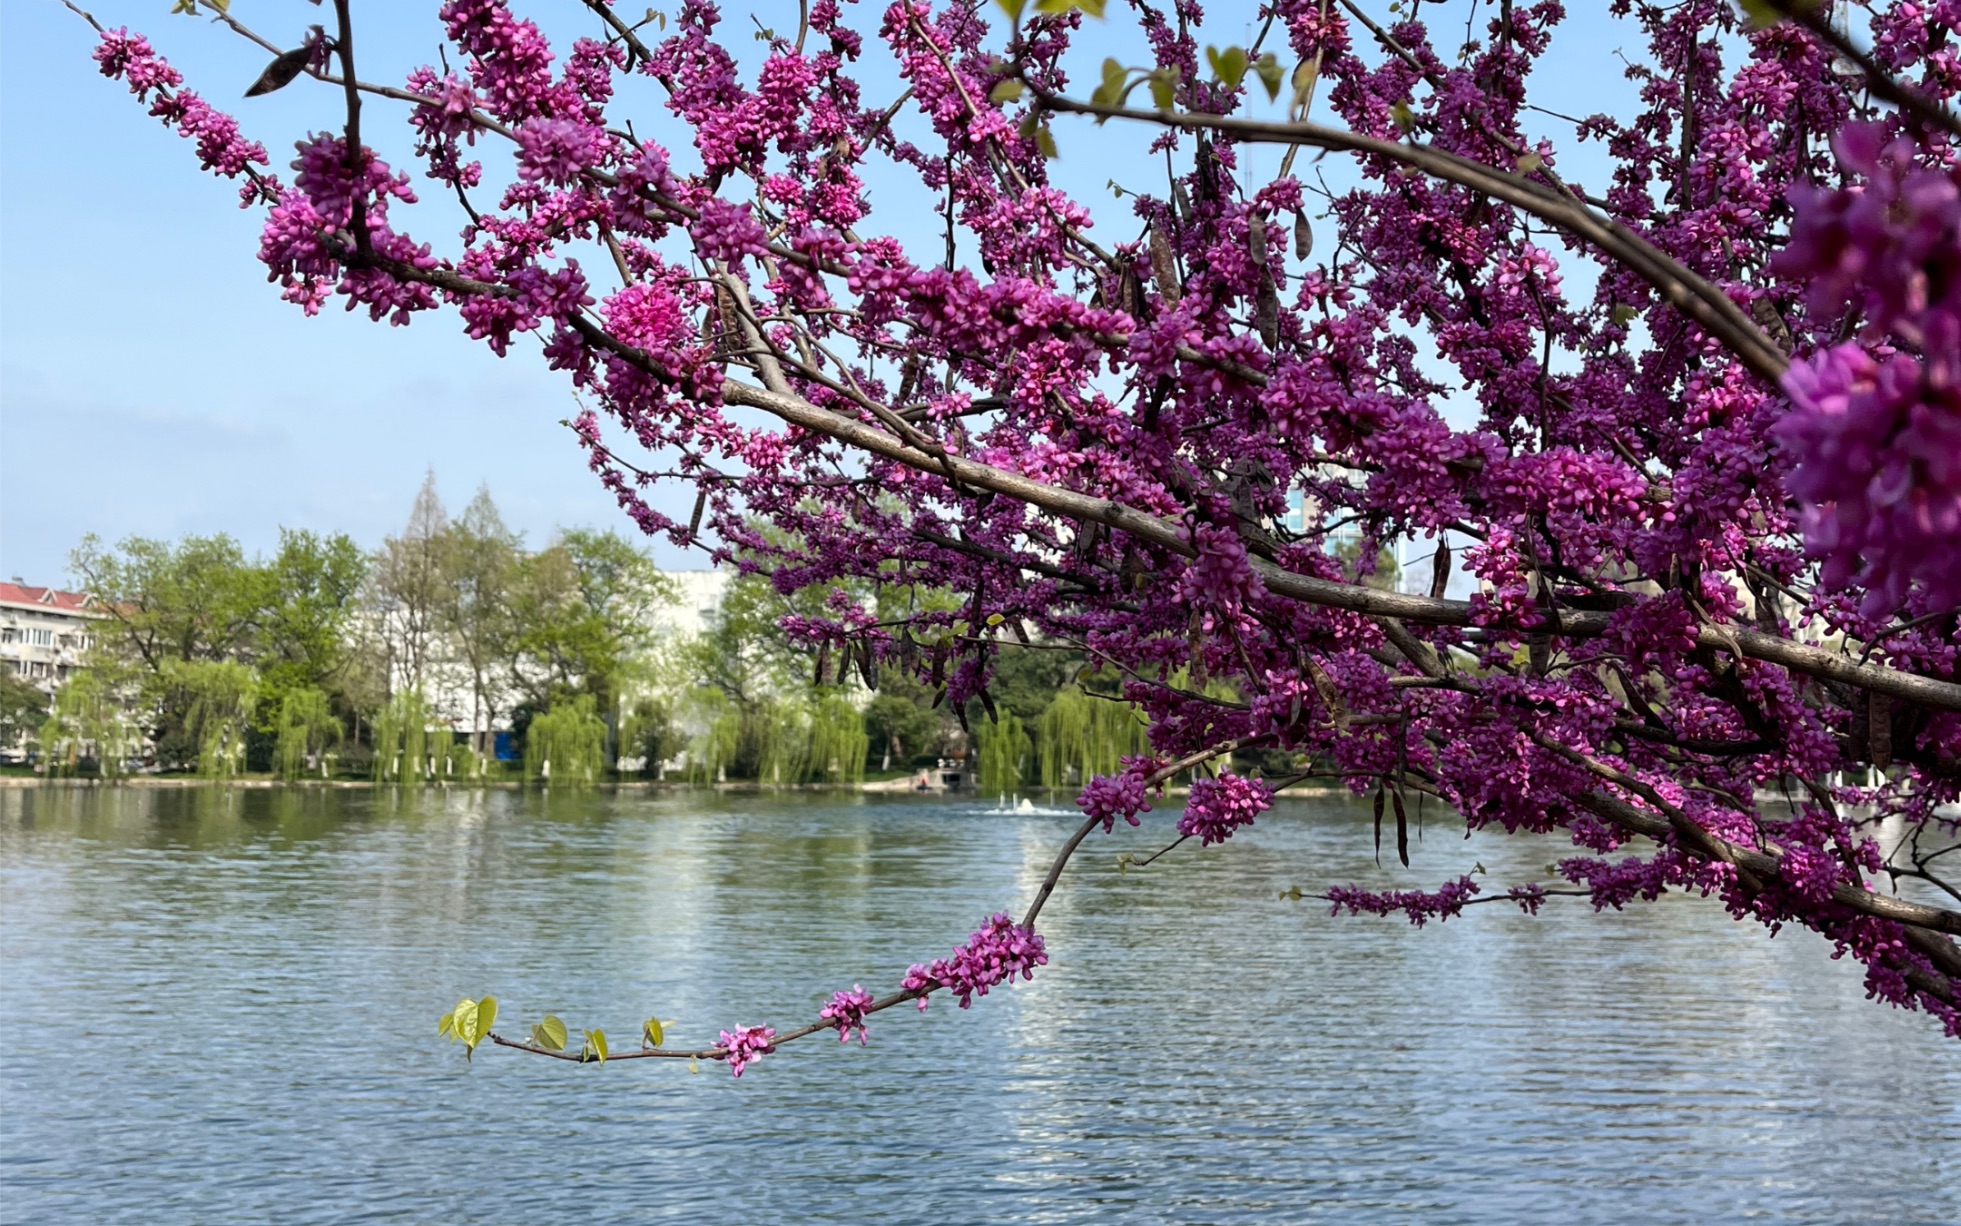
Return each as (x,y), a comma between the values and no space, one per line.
(220,1006)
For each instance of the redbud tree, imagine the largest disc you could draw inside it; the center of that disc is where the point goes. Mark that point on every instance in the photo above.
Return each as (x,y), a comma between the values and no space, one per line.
(1688,429)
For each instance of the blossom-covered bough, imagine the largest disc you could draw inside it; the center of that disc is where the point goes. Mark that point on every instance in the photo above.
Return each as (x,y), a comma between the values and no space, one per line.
(1691,429)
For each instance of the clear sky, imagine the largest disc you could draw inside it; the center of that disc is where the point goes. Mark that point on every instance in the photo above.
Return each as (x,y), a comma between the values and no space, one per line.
(152,383)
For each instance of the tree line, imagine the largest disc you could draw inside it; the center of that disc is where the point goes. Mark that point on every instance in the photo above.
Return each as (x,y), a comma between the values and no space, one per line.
(396,663)
(324,655)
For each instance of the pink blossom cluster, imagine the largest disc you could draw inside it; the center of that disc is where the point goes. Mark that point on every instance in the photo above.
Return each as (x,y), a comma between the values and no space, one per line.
(1421,906)
(1221,576)
(1124,794)
(745,1045)
(1875,426)
(847,1012)
(995,954)
(1219,806)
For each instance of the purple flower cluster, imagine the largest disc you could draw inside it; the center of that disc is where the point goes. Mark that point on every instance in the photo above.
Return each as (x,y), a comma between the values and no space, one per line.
(556,150)
(1221,576)
(221,148)
(1217,807)
(1124,794)
(1875,425)
(1421,906)
(847,1012)
(999,951)
(1878,451)
(745,1045)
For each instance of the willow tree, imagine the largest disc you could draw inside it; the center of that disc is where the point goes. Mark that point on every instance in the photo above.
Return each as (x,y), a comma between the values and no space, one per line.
(217,698)
(307,728)
(777,730)
(401,739)
(1088,736)
(1004,749)
(715,723)
(87,720)
(566,744)
(838,743)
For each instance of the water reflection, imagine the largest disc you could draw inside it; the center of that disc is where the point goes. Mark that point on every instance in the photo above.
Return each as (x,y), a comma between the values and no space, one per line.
(220,1007)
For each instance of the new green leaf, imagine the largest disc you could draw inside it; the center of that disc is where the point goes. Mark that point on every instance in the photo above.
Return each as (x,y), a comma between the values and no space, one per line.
(550,1033)
(1272,75)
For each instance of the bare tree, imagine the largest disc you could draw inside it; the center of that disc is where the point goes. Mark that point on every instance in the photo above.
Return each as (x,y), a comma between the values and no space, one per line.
(409,584)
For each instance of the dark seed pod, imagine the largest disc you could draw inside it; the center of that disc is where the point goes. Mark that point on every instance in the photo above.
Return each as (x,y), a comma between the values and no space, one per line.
(282,71)
(1266,311)
(1164,267)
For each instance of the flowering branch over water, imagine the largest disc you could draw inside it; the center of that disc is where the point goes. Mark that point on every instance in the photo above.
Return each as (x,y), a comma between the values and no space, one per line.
(1701,465)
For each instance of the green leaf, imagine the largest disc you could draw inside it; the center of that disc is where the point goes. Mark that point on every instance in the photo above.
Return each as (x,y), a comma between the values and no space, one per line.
(463,1021)
(486,1016)
(1110,93)
(1229,66)
(1625,314)
(652,1032)
(550,1033)
(1164,88)
(1007,90)
(446,1024)
(1529,162)
(1012,9)
(1272,75)
(1404,117)
(1045,142)
(595,1046)
(694,1066)
(1093,7)
(1762,13)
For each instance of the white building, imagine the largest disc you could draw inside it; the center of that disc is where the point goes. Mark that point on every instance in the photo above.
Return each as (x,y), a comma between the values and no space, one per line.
(697,594)
(44,633)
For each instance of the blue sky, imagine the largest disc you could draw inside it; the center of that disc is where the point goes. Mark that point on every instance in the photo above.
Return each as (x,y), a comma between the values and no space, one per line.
(152,383)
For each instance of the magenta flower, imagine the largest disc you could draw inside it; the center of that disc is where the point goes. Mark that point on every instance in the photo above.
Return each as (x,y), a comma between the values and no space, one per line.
(746,1045)
(847,1012)
(995,954)
(1217,807)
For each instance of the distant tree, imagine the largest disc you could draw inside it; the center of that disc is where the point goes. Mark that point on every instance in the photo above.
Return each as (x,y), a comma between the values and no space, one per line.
(901,722)
(23,707)
(308,595)
(197,599)
(582,609)
(409,585)
(216,698)
(306,728)
(567,744)
(401,739)
(480,565)
(87,721)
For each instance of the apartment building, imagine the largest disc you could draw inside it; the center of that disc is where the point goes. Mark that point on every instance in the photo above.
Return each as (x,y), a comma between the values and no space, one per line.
(44,633)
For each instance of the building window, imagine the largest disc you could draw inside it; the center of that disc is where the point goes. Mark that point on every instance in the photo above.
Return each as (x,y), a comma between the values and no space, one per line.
(41,638)
(9,634)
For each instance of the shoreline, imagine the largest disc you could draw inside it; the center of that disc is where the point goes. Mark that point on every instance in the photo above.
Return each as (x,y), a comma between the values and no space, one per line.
(902,787)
